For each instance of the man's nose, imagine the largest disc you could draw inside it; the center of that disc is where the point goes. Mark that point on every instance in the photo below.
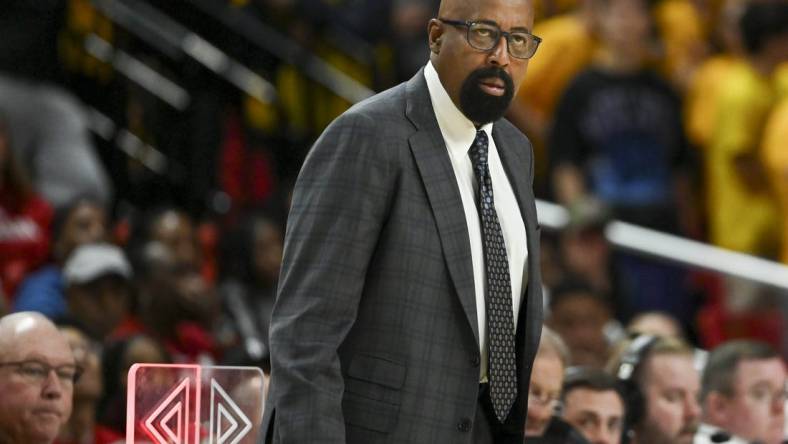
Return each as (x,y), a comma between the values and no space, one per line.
(53,386)
(539,412)
(691,409)
(499,55)
(605,436)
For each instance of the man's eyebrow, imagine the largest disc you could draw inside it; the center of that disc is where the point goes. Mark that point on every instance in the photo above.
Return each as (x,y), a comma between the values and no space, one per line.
(493,22)
(761,383)
(590,414)
(37,357)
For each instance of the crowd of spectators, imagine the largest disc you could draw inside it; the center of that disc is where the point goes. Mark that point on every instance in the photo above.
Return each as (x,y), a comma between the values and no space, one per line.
(670,114)
(658,389)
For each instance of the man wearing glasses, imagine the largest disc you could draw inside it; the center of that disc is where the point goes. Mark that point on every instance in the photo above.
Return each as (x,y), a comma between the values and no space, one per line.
(409,306)
(37,375)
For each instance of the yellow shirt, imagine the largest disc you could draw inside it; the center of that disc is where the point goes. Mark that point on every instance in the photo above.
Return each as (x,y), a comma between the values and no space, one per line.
(567,47)
(775,158)
(740,219)
(701,103)
(781,80)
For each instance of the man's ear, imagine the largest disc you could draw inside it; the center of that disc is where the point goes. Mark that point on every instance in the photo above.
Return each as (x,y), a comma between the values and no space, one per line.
(435,33)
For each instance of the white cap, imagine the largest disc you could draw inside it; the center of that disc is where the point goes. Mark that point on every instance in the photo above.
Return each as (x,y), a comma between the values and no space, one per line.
(92,261)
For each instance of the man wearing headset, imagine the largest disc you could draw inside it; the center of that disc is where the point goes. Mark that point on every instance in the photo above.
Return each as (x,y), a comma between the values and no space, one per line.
(661,385)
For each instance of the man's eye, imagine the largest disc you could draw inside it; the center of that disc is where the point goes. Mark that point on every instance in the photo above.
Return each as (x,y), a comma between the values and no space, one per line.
(586,423)
(66,375)
(760,394)
(672,396)
(33,370)
(518,39)
(483,32)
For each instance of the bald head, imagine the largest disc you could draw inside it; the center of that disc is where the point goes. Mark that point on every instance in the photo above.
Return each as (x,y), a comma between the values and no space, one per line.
(36,379)
(18,326)
(448,7)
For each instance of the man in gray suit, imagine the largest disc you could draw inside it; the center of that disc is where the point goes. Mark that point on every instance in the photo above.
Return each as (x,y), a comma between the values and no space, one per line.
(409,306)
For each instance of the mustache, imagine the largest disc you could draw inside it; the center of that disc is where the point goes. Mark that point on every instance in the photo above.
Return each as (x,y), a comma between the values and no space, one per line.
(492,72)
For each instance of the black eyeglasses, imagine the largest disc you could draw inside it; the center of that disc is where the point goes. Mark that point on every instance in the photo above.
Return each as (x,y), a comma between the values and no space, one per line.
(485,36)
(37,371)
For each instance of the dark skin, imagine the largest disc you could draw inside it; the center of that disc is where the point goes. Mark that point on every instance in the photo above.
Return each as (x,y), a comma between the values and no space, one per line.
(86,223)
(454,59)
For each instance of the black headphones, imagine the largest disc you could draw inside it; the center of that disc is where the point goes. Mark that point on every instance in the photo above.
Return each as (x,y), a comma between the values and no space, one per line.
(634,399)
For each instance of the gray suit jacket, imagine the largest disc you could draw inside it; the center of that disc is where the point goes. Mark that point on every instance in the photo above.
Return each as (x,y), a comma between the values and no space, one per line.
(374,337)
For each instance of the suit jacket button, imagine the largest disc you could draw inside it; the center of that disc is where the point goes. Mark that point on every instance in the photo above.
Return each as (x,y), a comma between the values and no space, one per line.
(475,360)
(464,425)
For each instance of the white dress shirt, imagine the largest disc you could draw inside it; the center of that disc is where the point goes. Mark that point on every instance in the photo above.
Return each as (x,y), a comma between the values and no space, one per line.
(459,133)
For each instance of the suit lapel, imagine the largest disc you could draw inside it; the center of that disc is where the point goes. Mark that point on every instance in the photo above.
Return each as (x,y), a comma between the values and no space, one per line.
(515,164)
(437,174)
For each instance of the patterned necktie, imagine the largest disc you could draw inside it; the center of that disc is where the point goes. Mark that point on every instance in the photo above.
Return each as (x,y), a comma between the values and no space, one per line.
(500,320)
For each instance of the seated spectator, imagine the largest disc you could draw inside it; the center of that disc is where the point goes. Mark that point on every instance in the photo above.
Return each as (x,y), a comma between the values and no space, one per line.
(173,229)
(37,375)
(189,245)
(175,305)
(743,394)
(655,323)
(594,404)
(542,425)
(80,429)
(661,386)
(581,316)
(82,221)
(547,375)
(98,289)
(24,220)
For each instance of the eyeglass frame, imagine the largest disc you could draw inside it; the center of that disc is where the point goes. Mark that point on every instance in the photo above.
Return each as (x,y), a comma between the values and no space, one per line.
(545,399)
(467,24)
(78,370)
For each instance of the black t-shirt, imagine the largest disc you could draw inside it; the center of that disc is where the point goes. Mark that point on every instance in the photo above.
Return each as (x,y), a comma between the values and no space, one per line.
(625,133)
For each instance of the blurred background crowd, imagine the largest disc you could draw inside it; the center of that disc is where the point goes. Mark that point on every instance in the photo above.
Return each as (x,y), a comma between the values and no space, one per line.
(148,149)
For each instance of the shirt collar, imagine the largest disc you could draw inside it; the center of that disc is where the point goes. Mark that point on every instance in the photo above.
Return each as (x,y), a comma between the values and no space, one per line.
(458,131)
